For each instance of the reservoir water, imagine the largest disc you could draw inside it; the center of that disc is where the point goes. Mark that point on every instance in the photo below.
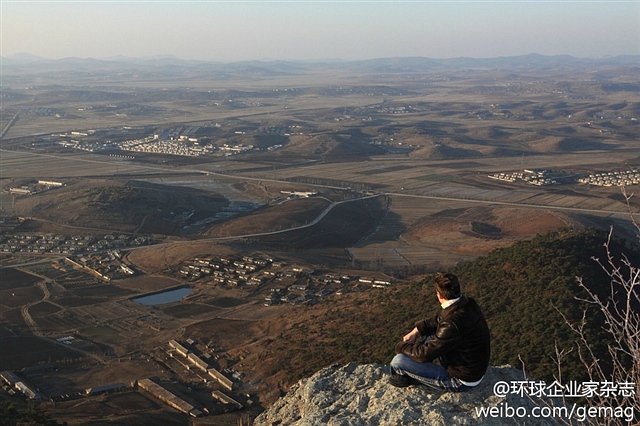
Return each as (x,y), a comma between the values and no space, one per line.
(163,297)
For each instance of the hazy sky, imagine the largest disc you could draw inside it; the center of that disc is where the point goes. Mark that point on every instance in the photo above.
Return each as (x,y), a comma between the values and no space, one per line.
(240,30)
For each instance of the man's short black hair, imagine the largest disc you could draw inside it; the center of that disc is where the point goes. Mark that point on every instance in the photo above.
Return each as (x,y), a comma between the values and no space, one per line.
(447,285)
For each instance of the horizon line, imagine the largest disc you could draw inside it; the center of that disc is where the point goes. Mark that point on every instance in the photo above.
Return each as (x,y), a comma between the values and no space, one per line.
(27,56)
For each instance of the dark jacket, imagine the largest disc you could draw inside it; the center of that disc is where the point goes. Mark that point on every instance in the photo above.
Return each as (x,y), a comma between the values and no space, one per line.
(461,341)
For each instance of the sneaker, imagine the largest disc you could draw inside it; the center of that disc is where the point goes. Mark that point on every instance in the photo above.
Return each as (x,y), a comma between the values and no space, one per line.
(400,381)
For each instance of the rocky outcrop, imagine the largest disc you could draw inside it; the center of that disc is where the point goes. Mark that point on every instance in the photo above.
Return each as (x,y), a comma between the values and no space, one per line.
(360,395)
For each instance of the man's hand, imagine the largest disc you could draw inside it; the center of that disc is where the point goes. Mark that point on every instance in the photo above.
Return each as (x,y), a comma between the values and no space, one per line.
(412,336)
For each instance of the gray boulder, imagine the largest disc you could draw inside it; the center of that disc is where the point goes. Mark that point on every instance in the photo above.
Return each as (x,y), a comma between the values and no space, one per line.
(359,395)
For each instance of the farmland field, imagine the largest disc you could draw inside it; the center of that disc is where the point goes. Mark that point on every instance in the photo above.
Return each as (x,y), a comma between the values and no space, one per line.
(271,195)
(19,351)
(12,278)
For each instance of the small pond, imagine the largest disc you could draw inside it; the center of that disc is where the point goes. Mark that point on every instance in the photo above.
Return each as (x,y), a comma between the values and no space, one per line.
(168,296)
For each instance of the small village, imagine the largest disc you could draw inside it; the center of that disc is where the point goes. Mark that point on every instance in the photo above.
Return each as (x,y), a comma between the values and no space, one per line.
(280,282)
(197,379)
(551,177)
(67,244)
(629,177)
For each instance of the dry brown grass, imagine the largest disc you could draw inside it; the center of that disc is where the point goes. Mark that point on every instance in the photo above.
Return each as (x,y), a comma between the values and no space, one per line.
(272,218)
(154,259)
(457,125)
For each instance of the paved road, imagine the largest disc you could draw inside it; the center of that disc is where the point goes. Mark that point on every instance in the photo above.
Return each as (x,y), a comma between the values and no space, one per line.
(233,237)
(509,203)
(265,179)
(621,214)
(9,124)
(295,228)
(35,330)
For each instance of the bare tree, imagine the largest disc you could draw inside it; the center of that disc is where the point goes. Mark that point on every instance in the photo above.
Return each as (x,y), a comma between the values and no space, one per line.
(620,373)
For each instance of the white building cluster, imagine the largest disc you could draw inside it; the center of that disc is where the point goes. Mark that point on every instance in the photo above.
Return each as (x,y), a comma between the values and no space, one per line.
(65,244)
(548,177)
(235,149)
(507,177)
(35,188)
(533,177)
(629,177)
(540,178)
(160,146)
(89,147)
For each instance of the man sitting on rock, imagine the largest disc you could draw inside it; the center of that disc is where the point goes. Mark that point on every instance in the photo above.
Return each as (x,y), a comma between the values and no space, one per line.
(458,337)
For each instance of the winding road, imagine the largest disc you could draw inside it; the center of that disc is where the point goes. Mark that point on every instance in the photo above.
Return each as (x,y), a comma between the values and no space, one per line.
(33,326)
(25,310)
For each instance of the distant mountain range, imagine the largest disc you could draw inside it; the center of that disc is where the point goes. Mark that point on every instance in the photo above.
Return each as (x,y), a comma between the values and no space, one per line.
(26,63)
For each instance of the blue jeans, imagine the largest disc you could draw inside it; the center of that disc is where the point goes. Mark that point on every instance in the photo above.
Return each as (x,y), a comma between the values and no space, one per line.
(427,373)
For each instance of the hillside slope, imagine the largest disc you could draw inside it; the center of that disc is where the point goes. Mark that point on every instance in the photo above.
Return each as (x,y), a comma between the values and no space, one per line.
(517,288)
(122,206)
